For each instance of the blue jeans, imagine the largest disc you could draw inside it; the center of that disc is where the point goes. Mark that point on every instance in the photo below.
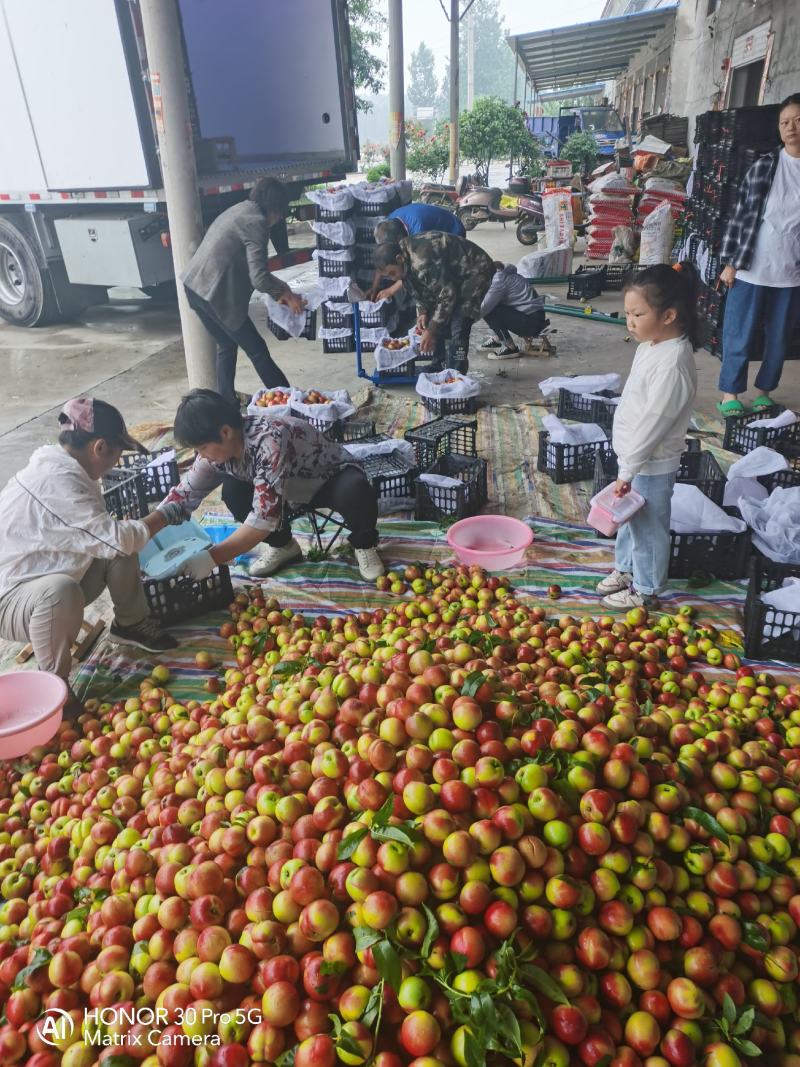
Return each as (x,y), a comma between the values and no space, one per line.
(642,547)
(745,306)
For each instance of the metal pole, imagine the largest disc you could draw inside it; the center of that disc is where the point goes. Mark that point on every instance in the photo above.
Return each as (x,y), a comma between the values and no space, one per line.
(179,172)
(397,119)
(470,59)
(455,17)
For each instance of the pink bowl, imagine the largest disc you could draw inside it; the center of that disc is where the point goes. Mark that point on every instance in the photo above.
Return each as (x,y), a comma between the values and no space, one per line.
(31,705)
(492,541)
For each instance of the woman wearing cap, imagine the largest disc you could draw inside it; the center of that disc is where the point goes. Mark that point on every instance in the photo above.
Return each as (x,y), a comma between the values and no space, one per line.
(60,547)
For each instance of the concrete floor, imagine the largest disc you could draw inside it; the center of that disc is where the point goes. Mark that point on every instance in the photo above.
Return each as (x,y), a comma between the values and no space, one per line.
(130,354)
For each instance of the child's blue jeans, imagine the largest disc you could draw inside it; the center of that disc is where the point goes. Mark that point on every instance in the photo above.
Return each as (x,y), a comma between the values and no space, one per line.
(642,547)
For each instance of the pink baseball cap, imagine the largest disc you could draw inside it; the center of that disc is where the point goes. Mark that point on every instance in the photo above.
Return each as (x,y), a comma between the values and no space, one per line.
(99,419)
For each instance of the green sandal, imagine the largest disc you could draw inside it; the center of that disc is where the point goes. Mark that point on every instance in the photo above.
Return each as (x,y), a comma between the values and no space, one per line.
(730,407)
(763,403)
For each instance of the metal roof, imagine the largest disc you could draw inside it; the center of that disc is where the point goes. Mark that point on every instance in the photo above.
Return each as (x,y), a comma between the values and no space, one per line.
(596,51)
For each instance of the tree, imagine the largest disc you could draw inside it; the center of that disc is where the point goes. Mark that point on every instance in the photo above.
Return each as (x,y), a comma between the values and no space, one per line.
(367,31)
(494,61)
(423,86)
(553,107)
(491,130)
(428,154)
(581,150)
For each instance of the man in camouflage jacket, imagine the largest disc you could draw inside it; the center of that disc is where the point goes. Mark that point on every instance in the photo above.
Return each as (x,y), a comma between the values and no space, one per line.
(448,277)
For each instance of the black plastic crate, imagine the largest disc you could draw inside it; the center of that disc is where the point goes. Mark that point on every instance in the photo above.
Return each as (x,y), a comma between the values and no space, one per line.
(702,470)
(375,208)
(436,502)
(740,438)
(124,494)
(586,283)
(372,320)
(580,408)
(365,229)
(172,600)
(309,330)
(333,268)
(357,430)
(617,275)
(783,640)
(330,428)
(325,244)
(156,480)
(568,463)
(366,256)
(390,476)
(443,437)
(339,344)
(333,319)
(325,215)
(787,479)
(723,555)
(451,405)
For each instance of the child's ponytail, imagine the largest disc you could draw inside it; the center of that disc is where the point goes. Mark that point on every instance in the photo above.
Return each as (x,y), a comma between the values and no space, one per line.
(675,287)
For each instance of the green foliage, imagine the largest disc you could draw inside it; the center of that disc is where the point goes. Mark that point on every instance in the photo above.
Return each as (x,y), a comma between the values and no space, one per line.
(581,150)
(374,174)
(367,31)
(492,130)
(428,154)
(494,61)
(422,84)
(553,107)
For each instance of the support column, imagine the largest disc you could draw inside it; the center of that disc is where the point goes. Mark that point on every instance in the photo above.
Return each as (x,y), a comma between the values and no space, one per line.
(397,118)
(455,18)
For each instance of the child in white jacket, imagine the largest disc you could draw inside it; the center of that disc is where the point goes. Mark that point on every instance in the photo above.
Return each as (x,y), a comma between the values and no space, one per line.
(650,427)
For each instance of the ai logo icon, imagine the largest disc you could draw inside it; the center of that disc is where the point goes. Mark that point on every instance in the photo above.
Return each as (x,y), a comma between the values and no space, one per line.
(56,1028)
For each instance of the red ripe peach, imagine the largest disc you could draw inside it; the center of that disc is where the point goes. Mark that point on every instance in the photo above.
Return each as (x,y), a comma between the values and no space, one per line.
(280,1004)
(420,1033)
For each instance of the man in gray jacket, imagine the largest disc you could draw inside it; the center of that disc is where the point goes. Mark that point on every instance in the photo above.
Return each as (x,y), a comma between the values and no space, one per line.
(229,264)
(511,304)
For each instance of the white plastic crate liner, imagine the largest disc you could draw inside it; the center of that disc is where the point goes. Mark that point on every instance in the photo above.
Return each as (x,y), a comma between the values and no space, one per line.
(775,523)
(293,322)
(278,409)
(395,446)
(340,307)
(739,489)
(693,512)
(581,383)
(338,255)
(340,407)
(331,333)
(437,386)
(606,399)
(341,233)
(441,481)
(581,433)
(389,358)
(340,199)
(374,334)
(547,262)
(166,552)
(760,461)
(369,307)
(335,288)
(786,418)
(375,192)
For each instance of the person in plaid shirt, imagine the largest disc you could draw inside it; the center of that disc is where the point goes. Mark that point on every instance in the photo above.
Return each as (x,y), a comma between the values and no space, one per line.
(264,463)
(761,259)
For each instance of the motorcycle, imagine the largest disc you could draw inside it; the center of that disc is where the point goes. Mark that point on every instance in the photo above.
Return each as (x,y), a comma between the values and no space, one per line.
(483,205)
(445,195)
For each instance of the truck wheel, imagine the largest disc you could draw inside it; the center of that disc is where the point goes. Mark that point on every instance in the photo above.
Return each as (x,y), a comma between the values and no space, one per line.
(26,298)
(528,232)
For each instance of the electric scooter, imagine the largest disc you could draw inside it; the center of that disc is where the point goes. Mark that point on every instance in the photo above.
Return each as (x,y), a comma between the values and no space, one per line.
(483,205)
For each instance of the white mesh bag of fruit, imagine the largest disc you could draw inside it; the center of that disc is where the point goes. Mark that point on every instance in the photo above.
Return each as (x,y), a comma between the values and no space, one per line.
(323,406)
(272,402)
(447,382)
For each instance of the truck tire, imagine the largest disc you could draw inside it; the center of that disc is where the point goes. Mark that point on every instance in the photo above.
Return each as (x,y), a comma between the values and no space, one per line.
(27,297)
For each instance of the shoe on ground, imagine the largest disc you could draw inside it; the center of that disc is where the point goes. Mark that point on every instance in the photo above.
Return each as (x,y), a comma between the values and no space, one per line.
(615,582)
(629,598)
(272,559)
(369,563)
(506,352)
(491,343)
(146,634)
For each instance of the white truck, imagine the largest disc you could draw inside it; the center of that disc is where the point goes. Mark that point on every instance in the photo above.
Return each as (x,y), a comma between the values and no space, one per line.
(82,208)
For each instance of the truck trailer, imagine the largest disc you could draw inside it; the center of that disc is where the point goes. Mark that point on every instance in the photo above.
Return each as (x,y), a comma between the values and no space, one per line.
(82,205)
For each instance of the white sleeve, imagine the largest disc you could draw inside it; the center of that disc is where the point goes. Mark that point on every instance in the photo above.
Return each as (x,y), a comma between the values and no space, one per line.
(669,392)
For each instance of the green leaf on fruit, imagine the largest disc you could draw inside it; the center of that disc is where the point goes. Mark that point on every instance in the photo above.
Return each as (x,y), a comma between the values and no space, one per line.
(405,834)
(388,963)
(288,667)
(708,823)
(332,967)
(41,957)
(349,844)
(764,870)
(745,1022)
(747,1048)
(543,983)
(78,913)
(754,936)
(472,683)
(365,937)
(372,1012)
(83,892)
(119,1061)
(474,1051)
(384,813)
(728,1009)
(431,933)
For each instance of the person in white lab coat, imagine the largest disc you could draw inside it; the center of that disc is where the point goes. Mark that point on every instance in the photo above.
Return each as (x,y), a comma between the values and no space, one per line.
(650,427)
(60,547)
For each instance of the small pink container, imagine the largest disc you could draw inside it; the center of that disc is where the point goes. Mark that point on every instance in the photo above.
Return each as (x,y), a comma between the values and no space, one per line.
(492,541)
(31,706)
(608,512)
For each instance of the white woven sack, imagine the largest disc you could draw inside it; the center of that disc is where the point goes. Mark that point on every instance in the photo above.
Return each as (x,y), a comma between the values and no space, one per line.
(436,385)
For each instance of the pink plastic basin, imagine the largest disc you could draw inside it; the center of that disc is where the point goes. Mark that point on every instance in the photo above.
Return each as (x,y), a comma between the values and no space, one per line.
(31,704)
(492,541)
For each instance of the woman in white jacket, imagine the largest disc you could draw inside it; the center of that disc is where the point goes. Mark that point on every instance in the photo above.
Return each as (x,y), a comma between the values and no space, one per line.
(650,427)
(60,547)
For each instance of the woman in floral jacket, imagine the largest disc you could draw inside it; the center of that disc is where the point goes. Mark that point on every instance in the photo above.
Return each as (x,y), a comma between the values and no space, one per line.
(761,259)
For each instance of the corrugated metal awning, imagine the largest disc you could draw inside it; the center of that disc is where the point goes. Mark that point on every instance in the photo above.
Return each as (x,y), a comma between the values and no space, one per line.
(587,51)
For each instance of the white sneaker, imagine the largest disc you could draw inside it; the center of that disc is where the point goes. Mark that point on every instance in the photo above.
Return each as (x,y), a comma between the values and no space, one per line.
(629,598)
(272,559)
(616,581)
(369,563)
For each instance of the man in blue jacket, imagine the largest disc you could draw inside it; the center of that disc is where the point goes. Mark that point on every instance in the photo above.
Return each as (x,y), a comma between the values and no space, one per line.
(420,218)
